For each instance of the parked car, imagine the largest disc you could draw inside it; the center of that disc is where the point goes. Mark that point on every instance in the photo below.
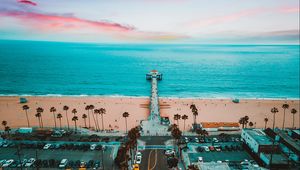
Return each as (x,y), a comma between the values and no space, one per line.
(63,163)
(2,162)
(200,159)
(197,140)
(93,147)
(47,146)
(186,139)
(200,149)
(82,164)
(218,148)
(7,163)
(30,162)
(211,148)
(206,148)
(215,140)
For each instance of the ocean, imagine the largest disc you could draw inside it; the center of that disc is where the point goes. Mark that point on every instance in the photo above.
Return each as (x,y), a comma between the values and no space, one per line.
(189,71)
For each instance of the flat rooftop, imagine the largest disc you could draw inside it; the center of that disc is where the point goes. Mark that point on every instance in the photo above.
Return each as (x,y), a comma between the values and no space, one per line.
(259,136)
(212,166)
(219,124)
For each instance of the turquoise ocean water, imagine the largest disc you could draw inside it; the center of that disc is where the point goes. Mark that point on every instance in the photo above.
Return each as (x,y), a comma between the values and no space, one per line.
(206,71)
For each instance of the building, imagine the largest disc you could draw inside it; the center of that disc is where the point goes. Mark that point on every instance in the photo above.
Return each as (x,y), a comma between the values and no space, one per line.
(220,126)
(278,160)
(258,141)
(213,165)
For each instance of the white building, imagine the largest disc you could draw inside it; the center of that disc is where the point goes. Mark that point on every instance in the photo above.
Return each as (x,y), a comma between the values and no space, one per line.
(257,140)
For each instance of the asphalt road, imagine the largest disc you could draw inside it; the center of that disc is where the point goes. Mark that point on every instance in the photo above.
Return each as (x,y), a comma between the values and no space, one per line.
(153,159)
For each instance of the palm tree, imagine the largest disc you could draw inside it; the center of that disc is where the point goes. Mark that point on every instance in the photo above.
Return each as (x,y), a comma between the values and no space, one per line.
(74,111)
(59,116)
(284,106)
(75,118)
(202,132)
(293,111)
(244,121)
(39,111)
(195,112)
(87,107)
(26,107)
(274,110)
(251,124)
(4,123)
(176,134)
(66,108)
(125,115)
(96,112)
(53,110)
(92,107)
(84,116)
(177,117)
(102,111)
(184,117)
(38,115)
(266,121)
(7,129)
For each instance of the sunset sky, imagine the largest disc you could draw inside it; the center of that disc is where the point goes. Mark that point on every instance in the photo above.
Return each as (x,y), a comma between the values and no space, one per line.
(152,21)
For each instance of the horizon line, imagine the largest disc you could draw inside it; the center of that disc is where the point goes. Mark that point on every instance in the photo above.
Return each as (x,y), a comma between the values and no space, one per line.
(150,43)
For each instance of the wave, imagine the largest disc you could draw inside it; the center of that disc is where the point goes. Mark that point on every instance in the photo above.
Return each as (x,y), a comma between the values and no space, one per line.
(163,97)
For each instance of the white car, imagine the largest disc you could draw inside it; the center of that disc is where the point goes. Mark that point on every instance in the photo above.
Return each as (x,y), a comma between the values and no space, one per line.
(47,146)
(5,145)
(2,162)
(93,147)
(215,140)
(63,163)
(138,154)
(218,148)
(7,163)
(138,160)
(170,152)
(206,148)
(200,159)
(196,140)
(219,162)
(186,140)
(30,162)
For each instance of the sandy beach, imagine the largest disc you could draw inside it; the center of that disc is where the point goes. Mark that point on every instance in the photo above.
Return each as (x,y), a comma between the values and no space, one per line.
(210,110)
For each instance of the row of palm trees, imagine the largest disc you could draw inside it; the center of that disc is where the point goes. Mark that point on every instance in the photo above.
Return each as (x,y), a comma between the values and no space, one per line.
(59,116)
(6,128)
(177,117)
(129,148)
(245,120)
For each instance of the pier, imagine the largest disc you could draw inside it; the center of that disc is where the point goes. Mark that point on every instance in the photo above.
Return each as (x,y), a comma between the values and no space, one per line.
(154,76)
(153,125)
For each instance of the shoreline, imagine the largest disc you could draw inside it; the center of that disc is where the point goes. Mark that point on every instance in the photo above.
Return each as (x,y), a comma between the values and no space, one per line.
(144,97)
(210,110)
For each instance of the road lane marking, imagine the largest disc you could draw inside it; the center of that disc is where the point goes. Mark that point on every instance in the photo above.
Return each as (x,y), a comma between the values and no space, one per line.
(155,160)
(149,159)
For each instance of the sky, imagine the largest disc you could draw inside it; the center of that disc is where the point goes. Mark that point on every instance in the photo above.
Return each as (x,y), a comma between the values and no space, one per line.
(152,21)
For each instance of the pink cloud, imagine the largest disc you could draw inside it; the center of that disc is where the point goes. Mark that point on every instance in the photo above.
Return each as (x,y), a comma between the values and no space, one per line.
(68,23)
(27,2)
(64,22)
(224,19)
(289,9)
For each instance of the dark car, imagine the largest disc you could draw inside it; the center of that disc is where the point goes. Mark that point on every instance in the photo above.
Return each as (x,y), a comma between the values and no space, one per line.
(200,149)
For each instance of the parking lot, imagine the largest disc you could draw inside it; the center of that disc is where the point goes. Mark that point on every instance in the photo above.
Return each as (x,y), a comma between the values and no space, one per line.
(215,149)
(51,157)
